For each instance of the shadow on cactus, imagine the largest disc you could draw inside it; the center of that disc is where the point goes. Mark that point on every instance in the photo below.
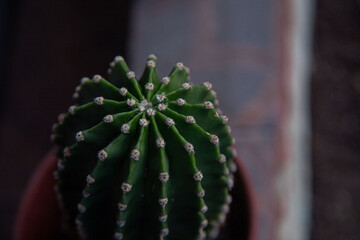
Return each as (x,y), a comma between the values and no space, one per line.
(144,158)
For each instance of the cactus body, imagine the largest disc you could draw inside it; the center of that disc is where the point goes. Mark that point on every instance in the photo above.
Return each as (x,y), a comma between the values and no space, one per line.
(143,159)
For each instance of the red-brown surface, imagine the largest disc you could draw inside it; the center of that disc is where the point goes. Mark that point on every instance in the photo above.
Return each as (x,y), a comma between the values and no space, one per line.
(39,215)
(242,221)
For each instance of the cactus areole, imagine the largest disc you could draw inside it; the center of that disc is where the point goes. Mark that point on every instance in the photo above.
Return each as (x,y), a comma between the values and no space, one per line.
(145,158)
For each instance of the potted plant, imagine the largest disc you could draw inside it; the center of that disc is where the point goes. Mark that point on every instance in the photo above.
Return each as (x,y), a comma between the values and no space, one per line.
(140,159)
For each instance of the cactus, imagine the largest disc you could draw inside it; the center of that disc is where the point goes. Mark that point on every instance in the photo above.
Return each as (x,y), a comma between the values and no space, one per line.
(143,159)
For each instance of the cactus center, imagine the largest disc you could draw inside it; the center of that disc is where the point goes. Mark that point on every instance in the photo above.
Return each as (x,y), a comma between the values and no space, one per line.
(145,105)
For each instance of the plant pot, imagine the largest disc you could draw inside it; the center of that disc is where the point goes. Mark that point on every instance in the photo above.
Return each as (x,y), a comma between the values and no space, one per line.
(39,217)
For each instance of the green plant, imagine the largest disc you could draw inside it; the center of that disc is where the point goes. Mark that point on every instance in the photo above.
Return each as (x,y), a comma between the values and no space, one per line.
(145,159)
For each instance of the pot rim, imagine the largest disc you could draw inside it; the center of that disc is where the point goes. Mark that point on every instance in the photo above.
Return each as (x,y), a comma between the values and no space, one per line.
(40,193)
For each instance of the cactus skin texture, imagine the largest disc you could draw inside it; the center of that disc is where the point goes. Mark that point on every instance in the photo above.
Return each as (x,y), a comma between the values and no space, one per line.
(143,159)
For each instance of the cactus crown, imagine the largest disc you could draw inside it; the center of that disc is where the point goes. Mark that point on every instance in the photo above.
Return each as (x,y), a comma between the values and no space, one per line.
(143,159)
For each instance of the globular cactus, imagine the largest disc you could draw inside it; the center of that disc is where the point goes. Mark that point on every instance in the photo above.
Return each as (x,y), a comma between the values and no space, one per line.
(143,159)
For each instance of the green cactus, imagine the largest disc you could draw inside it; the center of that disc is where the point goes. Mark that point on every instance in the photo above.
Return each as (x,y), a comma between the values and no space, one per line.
(143,159)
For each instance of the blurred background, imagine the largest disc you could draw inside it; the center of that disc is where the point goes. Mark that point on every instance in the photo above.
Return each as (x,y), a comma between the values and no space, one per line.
(287,73)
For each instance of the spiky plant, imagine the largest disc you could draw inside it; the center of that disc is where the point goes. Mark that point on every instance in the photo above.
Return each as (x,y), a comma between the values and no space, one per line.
(143,159)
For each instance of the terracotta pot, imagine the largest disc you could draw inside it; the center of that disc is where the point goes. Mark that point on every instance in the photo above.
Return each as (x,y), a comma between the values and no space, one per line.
(39,217)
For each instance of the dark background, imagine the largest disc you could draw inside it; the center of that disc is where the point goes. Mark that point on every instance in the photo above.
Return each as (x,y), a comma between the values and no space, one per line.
(48,46)
(45,33)
(335,104)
